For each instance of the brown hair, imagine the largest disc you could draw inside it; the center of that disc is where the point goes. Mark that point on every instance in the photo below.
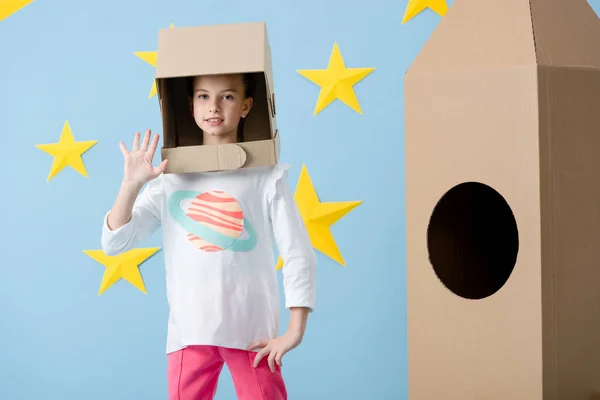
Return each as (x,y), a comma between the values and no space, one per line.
(250,83)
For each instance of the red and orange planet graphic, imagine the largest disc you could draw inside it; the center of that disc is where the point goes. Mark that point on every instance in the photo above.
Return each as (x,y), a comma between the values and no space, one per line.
(214,221)
(218,211)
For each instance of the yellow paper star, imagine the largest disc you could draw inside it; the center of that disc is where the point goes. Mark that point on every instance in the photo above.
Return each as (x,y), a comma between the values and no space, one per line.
(150,58)
(414,7)
(9,7)
(125,265)
(318,217)
(67,152)
(336,82)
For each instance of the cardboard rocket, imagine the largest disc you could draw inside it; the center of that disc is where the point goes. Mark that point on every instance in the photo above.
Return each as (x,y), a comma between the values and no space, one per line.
(502,114)
(207,50)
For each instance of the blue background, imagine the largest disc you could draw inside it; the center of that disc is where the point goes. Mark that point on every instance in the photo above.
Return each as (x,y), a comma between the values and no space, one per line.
(73,60)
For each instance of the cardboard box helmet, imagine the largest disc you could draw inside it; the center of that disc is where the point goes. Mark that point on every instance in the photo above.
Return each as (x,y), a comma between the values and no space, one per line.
(233,49)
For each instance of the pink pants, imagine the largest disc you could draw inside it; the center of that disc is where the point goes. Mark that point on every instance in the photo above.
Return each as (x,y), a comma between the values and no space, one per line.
(193,374)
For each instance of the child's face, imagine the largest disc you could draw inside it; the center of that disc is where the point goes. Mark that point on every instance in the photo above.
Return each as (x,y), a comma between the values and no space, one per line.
(218,103)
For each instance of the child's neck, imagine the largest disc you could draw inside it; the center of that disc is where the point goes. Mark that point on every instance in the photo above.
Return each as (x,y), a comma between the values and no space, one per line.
(221,139)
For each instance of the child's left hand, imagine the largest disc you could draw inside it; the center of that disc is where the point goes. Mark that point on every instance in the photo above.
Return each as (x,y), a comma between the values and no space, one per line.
(275,348)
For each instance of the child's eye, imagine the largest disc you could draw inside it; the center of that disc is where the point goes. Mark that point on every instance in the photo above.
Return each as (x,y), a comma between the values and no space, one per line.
(228,97)
(203,96)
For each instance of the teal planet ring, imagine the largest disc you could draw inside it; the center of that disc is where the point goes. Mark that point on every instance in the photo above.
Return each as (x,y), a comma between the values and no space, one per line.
(217,218)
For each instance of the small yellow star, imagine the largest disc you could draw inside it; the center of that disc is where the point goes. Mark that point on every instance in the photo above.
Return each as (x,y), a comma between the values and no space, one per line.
(336,82)
(318,217)
(414,7)
(150,58)
(125,265)
(66,152)
(9,7)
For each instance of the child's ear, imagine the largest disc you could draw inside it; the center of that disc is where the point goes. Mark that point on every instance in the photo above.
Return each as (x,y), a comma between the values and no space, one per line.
(247,107)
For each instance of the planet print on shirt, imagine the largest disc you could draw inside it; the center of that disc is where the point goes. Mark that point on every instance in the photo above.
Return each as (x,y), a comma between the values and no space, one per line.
(218,211)
(214,221)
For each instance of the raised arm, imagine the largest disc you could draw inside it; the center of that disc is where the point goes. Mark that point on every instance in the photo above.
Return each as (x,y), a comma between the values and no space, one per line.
(133,218)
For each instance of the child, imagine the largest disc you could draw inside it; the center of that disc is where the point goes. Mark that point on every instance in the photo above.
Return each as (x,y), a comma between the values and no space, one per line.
(218,230)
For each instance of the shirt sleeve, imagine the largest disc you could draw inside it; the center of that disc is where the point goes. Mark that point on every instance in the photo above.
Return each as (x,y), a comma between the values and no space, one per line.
(145,219)
(293,243)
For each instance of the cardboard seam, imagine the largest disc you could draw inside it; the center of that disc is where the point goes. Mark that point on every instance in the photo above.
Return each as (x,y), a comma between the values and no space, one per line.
(555,284)
(565,66)
(550,235)
(535,44)
(553,263)
(467,71)
(552,212)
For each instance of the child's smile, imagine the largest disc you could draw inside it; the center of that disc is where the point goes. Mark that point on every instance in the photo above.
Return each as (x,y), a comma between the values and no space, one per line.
(217,105)
(214,121)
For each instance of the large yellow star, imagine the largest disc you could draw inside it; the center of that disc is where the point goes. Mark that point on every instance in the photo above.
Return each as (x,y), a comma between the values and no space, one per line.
(414,7)
(66,152)
(318,217)
(125,265)
(150,58)
(9,7)
(336,82)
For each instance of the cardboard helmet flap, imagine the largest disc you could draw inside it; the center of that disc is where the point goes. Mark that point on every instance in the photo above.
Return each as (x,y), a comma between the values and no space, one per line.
(187,52)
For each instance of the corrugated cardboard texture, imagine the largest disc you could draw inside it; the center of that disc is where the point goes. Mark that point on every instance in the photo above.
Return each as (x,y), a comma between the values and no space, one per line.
(457,130)
(567,33)
(570,193)
(475,34)
(508,95)
(224,157)
(241,48)
(232,48)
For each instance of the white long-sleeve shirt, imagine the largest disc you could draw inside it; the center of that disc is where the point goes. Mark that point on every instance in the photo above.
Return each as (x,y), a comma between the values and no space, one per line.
(219,231)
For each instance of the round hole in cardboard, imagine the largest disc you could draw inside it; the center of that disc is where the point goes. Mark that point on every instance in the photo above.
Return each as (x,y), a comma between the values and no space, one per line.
(472,240)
